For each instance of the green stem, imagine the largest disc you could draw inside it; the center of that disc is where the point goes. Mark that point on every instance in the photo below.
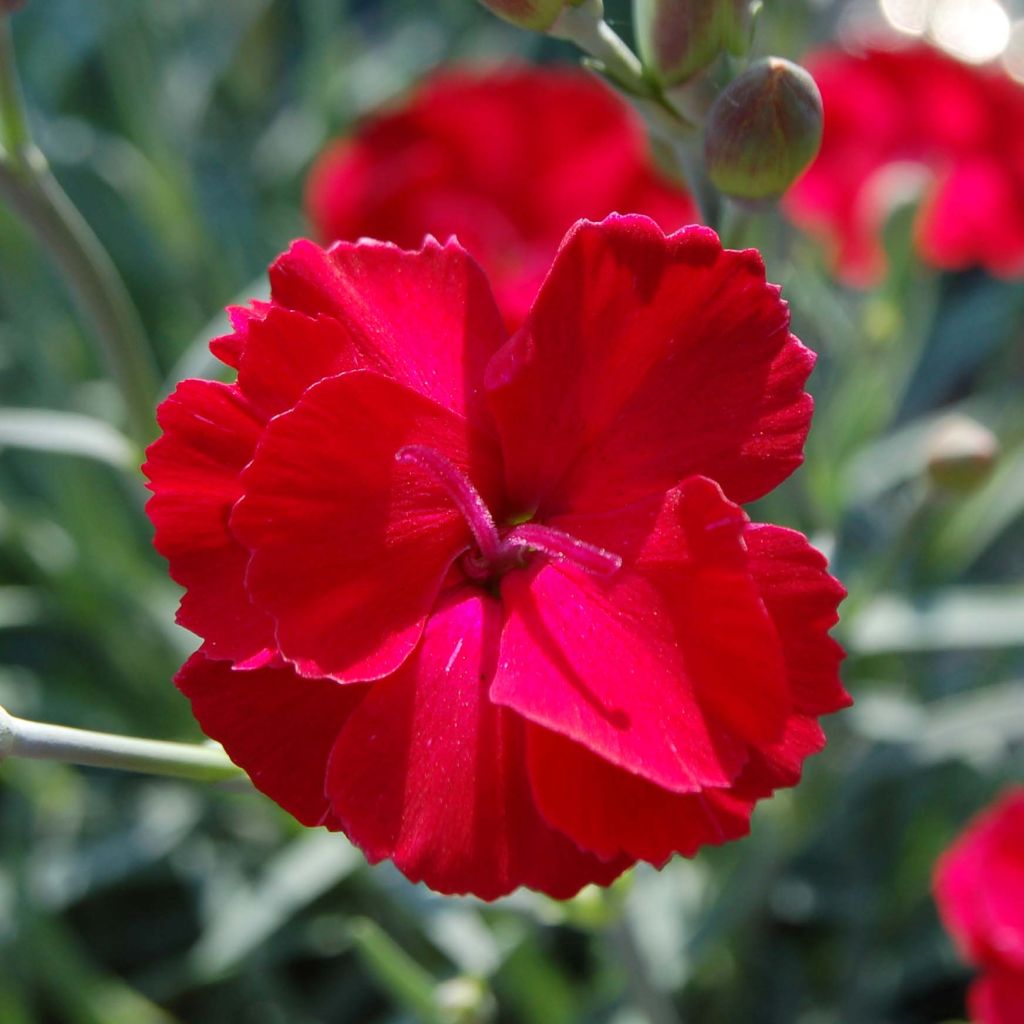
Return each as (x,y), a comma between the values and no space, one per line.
(13,123)
(44,742)
(691,162)
(33,193)
(586,28)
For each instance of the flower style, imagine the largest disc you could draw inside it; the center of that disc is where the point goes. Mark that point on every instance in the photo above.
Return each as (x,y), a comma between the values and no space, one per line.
(506,160)
(900,120)
(979,888)
(489,604)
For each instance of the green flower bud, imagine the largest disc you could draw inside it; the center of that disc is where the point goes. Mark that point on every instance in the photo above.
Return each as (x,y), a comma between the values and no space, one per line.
(537,15)
(961,455)
(763,130)
(679,38)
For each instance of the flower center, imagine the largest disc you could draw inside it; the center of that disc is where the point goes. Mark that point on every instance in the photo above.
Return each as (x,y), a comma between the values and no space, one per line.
(497,551)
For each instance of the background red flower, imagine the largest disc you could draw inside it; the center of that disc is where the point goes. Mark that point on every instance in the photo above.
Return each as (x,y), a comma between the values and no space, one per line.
(505,160)
(979,887)
(489,604)
(903,121)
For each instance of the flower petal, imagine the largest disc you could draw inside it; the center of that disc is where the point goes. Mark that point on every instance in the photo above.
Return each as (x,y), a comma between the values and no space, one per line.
(646,359)
(669,669)
(607,810)
(210,433)
(997,997)
(349,546)
(425,318)
(275,725)
(979,885)
(802,600)
(428,772)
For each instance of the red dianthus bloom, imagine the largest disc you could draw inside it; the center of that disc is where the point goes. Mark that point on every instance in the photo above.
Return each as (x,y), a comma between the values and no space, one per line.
(506,160)
(489,604)
(897,120)
(979,888)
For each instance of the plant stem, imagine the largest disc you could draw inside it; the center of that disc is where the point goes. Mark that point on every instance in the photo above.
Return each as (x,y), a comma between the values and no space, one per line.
(585,26)
(691,163)
(35,196)
(44,742)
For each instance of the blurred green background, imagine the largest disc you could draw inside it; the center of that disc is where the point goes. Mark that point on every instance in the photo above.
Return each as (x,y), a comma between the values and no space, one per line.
(182,131)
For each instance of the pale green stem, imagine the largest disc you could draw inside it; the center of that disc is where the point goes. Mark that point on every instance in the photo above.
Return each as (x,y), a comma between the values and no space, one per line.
(586,27)
(44,742)
(691,162)
(735,224)
(33,193)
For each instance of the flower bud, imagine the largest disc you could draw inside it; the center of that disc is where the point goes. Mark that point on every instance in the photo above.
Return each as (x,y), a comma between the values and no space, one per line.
(537,15)
(961,454)
(679,38)
(763,130)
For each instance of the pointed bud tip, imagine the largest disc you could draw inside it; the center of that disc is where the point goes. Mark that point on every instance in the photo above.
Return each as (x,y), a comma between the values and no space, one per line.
(763,130)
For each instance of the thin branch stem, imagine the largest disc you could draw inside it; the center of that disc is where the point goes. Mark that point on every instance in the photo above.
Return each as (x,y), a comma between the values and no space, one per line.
(35,196)
(41,741)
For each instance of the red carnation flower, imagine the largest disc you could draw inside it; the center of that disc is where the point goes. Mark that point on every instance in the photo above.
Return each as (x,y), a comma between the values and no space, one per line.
(979,888)
(900,120)
(489,604)
(506,160)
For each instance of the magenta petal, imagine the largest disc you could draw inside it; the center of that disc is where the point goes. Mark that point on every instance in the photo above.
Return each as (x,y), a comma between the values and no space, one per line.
(210,433)
(275,725)
(427,318)
(979,885)
(647,359)
(350,546)
(429,773)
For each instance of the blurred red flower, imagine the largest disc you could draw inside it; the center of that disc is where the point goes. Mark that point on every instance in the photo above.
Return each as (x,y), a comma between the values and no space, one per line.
(507,161)
(489,604)
(979,888)
(901,120)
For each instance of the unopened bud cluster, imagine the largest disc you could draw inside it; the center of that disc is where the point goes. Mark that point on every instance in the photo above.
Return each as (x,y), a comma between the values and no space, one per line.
(763,129)
(536,15)
(680,38)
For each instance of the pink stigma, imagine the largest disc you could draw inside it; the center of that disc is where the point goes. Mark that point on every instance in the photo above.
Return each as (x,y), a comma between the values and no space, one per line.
(495,553)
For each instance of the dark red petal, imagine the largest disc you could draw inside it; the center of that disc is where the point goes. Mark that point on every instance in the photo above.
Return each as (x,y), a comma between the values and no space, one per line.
(286,352)
(607,810)
(210,433)
(429,773)
(275,725)
(646,359)
(229,347)
(425,318)
(349,546)
(997,997)
(802,600)
(780,764)
(670,668)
